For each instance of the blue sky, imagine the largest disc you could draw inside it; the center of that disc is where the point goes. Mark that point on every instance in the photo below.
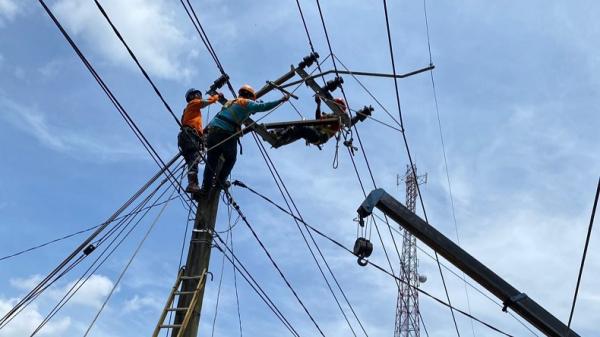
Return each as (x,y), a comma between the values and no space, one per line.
(518,94)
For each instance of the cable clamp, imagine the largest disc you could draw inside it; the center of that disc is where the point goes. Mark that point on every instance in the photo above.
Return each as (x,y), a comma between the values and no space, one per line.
(202,231)
(513,300)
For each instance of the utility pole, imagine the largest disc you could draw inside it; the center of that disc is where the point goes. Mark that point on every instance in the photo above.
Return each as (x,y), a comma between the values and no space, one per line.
(198,259)
(407,305)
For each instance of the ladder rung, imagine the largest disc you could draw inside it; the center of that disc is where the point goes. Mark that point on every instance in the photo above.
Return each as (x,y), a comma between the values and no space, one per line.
(184,292)
(178,309)
(191,277)
(170,326)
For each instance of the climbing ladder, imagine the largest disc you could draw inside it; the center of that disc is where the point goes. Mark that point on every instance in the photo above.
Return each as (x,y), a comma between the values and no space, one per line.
(176,292)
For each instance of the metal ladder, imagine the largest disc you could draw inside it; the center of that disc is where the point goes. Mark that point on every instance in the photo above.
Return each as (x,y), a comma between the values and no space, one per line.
(176,291)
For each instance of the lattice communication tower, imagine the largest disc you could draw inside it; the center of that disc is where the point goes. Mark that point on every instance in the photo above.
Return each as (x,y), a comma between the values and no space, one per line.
(407,306)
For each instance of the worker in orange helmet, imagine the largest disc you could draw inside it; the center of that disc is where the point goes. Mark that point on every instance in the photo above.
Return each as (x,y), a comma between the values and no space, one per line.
(191,139)
(223,132)
(319,134)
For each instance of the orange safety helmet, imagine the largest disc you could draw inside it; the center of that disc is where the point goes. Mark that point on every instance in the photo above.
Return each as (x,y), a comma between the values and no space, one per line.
(340,102)
(248,89)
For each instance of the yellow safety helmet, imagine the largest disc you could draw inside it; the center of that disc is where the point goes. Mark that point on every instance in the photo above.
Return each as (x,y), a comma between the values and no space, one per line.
(248,89)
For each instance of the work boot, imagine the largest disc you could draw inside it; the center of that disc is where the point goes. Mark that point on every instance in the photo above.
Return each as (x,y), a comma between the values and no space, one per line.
(192,186)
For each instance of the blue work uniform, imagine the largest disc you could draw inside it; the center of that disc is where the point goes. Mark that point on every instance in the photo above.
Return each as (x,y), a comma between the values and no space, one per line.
(220,135)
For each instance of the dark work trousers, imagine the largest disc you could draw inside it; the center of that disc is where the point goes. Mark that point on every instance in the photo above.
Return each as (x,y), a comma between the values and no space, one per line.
(191,144)
(227,148)
(294,133)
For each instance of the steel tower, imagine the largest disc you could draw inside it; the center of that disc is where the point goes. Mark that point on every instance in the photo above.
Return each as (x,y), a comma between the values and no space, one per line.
(407,305)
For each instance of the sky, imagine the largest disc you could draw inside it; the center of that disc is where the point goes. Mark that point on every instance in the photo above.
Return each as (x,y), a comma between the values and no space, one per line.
(517,94)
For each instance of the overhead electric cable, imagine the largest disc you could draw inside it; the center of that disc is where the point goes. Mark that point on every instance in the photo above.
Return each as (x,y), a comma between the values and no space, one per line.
(585,248)
(137,62)
(85,243)
(253,283)
(437,111)
(133,256)
(337,243)
(41,245)
(272,260)
(277,179)
(412,166)
(101,258)
(132,125)
(204,37)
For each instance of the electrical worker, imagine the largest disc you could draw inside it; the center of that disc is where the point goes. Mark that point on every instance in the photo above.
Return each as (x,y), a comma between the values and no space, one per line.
(223,132)
(190,139)
(319,134)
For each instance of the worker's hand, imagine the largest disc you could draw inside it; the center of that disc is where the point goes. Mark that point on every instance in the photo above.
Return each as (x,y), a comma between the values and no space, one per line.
(317,99)
(285,98)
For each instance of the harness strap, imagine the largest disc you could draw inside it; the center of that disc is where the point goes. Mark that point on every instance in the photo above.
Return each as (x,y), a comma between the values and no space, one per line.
(229,121)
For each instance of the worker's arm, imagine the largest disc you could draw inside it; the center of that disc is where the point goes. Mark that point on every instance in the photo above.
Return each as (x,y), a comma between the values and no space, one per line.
(206,102)
(254,107)
(318,111)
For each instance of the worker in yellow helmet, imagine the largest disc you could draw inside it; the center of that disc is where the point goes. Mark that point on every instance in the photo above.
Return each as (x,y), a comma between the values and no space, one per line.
(223,132)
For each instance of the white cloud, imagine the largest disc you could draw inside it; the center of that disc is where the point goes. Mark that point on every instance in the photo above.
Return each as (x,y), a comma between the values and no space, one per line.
(34,122)
(26,322)
(92,293)
(147,26)
(136,303)
(26,283)
(8,10)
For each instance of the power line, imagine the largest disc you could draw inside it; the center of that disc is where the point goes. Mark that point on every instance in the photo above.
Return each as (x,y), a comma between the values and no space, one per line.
(204,37)
(150,228)
(264,248)
(357,134)
(587,241)
(108,250)
(337,243)
(73,234)
(132,125)
(437,112)
(253,283)
(277,178)
(389,36)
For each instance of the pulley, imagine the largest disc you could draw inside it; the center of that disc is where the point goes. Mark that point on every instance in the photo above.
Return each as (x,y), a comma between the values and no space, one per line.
(362,249)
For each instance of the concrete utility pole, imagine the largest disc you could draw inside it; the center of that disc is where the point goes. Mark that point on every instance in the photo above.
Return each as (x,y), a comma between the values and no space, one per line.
(407,305)
(198,258)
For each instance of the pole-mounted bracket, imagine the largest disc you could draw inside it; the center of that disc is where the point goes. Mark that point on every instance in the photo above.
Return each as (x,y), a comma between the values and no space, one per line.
(513,300)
